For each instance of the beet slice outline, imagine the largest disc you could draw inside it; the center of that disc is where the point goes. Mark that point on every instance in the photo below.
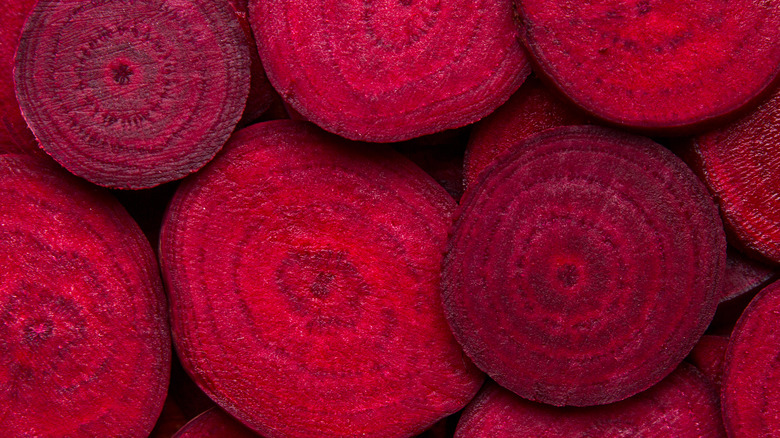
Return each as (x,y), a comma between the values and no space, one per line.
(84,338)
(214,423)
(684,405)
(261,316)
(140,93)
(542,281)
(391,71)
(750,395)
(658,65)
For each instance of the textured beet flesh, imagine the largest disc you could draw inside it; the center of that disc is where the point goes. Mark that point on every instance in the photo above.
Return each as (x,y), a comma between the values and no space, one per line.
(303,273)
(390,71)
(744,275)
(708,356)
(583,266)
(656,64)
(215,423)
(684,405)
(530,110)
(84,340)
(131,95)
(741,166)
(751,379)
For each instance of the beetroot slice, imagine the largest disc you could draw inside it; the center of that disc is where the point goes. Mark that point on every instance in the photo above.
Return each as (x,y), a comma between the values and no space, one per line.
(84,341)
(530,110)
(214,423)
(744,275)
(303,273)
(751,380)
(390,71)
(662,65)
(684,405)
(583,267)
(708,355)
(131,95)
(741,166)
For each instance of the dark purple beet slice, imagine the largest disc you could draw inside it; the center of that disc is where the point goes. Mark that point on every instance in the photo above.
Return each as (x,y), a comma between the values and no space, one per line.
(684,405)
(741,166)
(751,379)
(215,423)
(744,275)
(441,156)
(132,94)
(530,110)
(662,65)
(708,356)
(84,341)
(171,419)
(390,71)
(303,273)
(583,266)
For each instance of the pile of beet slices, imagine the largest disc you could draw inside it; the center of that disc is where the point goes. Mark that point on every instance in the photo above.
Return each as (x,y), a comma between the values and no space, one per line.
(389,219)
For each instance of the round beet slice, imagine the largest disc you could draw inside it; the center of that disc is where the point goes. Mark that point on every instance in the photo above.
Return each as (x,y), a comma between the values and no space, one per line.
(661,65)
(132,94)
(214,423)
(741,166)
(684,405)
(583,266)
(304,281)
(84,340)
(751,380)
(390,71)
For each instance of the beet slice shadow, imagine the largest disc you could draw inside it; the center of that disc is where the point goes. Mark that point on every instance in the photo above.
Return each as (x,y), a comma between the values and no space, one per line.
(391,71)
(684,405)
(84,338)
(750,395)
(583,266)
(215,423)
(744,275)
(132,95)
(303,273)
(660,65)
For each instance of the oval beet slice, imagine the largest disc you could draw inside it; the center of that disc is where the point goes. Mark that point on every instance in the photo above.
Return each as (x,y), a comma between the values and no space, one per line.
(303,273)
(84,341)
(751,380)
(214,423)
(656,64)
(390,71)
(583,267)
(684,405)
(132,94)
(741,166)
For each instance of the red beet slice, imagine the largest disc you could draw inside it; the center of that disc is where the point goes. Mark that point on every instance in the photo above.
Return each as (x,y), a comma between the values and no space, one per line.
(740,164)
(132,95)
(708,356)
(744,275)
(84,341)
(303,273)
(751,380)
(215,423)
(656,64)
(583,267)
(530,110)
(390,71)
(684,405)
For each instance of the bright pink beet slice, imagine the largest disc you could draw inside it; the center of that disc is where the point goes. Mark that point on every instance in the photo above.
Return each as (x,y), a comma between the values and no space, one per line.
(661,65)
(684,405)
(583,266)
(84,339)
(744,275)
(215,423)
(741,166)
(708,356)
(751,380)
(390,71)
(303,273)
(132,94)
(530,110)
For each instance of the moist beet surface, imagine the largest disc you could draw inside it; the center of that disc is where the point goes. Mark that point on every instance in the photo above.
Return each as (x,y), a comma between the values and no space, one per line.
(84,338)
(750,394)
(303,273)
(132,94)
(684,405)
(390,71)
(215,423)
(660,65)
(583,266)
